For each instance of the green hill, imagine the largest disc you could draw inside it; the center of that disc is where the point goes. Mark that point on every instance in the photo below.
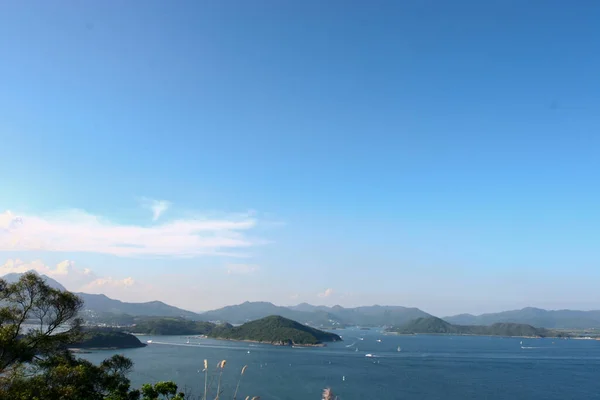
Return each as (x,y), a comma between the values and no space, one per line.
(107,339)
(317,315)
(433,325)
(551,319)
(276,330)
(171,326)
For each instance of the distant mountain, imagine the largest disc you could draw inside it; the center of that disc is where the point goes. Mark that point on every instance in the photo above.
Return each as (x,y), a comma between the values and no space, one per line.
(100,304)
(14,277)
(377,315)
(317,315)
(98,307)
(248,311)
(274,329)
(434,325)
(552,319)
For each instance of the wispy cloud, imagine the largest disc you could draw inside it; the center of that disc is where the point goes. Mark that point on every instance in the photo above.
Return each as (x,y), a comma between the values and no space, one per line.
(328,292)
(68,274)
(158,207)
(79,231)
(241,269)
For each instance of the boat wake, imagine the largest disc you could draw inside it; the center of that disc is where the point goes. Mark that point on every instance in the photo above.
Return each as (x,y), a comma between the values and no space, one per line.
(153,342)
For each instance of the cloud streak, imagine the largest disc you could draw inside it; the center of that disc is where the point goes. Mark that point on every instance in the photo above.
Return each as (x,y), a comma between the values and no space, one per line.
(241,269)
(78,231)
(328,292)
(68,274)
(158,207)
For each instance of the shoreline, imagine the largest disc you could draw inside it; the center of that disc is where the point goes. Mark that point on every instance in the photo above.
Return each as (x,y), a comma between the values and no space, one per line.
(470,334)
(280,343)
(90,349)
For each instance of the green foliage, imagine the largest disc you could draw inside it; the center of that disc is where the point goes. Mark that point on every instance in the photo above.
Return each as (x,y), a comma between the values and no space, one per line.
(172,326)
(274,329)
(62,376)
(36,365)
(435,325)
(31,301)
(161,390)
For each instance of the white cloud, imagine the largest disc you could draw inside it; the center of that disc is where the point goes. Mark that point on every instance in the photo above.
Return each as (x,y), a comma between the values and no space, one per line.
(328,292)
(82,232)
(158,207)
(68,274)
(104,282)
(241,269)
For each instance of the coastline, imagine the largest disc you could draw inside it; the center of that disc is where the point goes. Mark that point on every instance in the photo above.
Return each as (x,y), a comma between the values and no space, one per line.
(84,350)
(471,334)
(276,343)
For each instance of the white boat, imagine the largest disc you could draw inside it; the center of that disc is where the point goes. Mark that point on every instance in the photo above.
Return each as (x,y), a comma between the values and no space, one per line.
(188,342)
(369,355)
(343,378)
(356,349)
(399,349)
(148,341)
(361,338)
(378,340)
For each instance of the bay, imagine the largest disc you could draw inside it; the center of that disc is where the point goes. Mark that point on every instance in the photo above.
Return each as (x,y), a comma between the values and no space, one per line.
(427,367)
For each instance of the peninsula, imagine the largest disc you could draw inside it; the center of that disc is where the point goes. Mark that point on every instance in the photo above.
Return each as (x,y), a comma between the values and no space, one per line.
(104,339)
(434,325)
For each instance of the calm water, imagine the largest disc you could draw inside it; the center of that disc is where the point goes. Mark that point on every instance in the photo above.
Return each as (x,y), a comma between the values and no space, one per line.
(428,367)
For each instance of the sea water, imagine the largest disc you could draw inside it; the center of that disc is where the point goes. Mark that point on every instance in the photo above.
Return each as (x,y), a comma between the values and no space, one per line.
(427,367)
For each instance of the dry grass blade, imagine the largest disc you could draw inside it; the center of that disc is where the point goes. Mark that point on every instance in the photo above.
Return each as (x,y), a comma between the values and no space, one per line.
(221,365)
(205,379)
(328,394)
(237,387)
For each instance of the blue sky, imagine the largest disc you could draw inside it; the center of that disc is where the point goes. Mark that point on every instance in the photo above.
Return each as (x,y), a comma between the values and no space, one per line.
(444,155)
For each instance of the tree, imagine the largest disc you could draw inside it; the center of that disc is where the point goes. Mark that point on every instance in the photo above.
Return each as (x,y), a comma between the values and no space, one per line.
(37,324)
(63,376)
(161,390)
(35,320)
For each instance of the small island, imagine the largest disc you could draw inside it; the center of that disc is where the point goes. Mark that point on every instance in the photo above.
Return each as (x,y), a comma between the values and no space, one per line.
(105,339)
(434,325)
(275,330)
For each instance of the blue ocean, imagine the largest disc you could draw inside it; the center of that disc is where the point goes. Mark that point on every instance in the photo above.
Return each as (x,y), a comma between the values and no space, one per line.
(371,365)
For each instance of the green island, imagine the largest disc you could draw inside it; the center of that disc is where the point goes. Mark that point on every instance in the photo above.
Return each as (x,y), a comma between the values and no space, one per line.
(434,325)
(273,329)
(98,339)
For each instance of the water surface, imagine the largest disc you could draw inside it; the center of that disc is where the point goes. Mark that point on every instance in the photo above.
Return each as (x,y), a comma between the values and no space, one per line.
(427,367)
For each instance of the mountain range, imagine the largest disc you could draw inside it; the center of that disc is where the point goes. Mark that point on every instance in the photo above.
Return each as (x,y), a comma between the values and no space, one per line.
(434,325)
(99,304)
(100,307)
(551,319)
